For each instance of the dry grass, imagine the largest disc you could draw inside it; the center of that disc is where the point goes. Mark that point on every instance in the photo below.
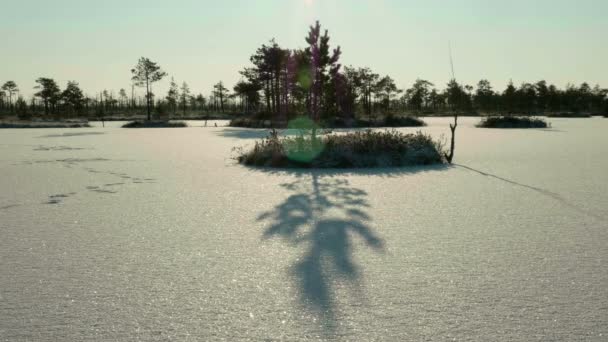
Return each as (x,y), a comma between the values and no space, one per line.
(363,149)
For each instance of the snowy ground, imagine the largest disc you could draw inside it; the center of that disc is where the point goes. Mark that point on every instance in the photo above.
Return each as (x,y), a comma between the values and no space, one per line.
(156,235)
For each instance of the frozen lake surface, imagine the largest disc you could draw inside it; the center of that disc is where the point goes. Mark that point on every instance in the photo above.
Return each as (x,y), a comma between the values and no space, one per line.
(156,235)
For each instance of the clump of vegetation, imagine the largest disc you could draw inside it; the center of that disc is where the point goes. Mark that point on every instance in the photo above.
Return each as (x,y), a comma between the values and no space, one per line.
(155,124)
(569,115)
(512,122)
(387,121)
(403,121)
(362,149)
(43,124)
(255,123)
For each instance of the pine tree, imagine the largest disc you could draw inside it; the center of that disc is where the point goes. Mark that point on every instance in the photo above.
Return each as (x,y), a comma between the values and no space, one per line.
(10,87)
(184,96)
(173,96)
(145,74)
(49,93)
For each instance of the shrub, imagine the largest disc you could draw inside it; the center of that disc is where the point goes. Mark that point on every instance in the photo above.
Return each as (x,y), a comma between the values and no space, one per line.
(512,122)
(155,124)
(363,149)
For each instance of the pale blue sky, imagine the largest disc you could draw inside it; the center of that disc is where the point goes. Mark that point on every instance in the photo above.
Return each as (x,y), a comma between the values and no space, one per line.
(201,42)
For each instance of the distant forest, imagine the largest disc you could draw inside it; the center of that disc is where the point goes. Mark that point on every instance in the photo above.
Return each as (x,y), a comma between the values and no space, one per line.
(281,83)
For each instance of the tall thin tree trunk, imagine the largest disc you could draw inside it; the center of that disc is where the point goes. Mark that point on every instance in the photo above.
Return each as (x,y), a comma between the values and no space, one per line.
(148,100)
(267,93)
(450,156)
(277,92)
(272,97)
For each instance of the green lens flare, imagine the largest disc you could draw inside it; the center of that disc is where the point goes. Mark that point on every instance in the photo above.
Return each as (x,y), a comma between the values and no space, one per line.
(304,79)
(302,148)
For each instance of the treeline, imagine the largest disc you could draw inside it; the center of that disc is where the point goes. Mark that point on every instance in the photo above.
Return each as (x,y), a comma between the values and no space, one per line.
(52,102)
(282,83)
(528,99)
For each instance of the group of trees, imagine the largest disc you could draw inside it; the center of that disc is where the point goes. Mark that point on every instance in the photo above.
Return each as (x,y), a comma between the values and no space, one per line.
(287,82)
(528,98)
(8,92)
(146,73)
(48,96)
(283,83)
(51,101)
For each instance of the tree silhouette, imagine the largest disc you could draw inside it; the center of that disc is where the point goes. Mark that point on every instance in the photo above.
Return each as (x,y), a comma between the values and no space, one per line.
(542,95)
(49,93)
(172,96)
(184,97)
(418,94)
(2,97)
(249,93)
(72,96)
(10,87)
(201,101)
(387,88)
(145,74)
(21,108)
(509,98)
(220,92)
(320,60)
(484,96)
(456,98)
(124,99)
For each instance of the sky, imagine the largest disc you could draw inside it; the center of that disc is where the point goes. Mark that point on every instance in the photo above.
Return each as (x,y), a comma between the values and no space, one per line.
(96,43)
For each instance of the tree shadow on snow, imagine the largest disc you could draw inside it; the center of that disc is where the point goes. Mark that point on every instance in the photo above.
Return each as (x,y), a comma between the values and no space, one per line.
(328,217)
(77,134)
(304,219)
(379,172)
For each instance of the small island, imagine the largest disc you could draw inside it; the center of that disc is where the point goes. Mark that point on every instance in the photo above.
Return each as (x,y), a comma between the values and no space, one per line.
(512,122)
(359,149)
(255,121)
(43,124)
(154,124)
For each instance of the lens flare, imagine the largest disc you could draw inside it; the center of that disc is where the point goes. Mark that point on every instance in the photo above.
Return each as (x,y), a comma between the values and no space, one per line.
(303,149)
